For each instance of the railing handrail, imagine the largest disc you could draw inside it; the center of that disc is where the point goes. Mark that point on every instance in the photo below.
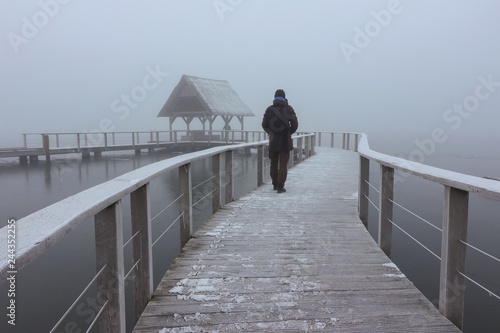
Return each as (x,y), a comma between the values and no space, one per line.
(46,227)
(465,182)
(145,132)
(457,187)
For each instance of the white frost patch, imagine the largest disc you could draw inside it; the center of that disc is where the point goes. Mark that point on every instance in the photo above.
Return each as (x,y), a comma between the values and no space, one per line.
(353,196)
(176,290)
(189,329)
(333,321)
(197,317)
(391,265)
(320,325)
(189,289)
(395,275)
(212,233)
(303,260)
(286,304)
(239,299)
(248,266)
(203,298)
(198,267)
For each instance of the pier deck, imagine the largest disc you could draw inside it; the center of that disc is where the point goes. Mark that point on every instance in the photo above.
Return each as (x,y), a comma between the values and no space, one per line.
(300,261)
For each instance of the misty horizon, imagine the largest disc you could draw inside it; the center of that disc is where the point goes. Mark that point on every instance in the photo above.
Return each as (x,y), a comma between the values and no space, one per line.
(403,72)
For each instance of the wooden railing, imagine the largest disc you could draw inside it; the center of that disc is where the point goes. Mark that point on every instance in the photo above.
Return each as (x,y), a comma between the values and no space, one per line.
(457,187)
(105,140)
(41,230)
(44,228)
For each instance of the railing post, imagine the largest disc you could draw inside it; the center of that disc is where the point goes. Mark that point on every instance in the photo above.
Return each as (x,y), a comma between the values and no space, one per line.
(364,189)
(453,251)
(356,142)
(307,146)
(216,183)
(260,165)
(57,140)
(343,140)
(78,141)
(313,145)
(86,138)
(385,204)
(186,202)
(105,140)
(348,141)
(229,176)
(25,141)
(332,140)
(291,159)
(110,284)
(46,146)
(319,139)
(299,150)
(157,138)
(114,141)
(140,206)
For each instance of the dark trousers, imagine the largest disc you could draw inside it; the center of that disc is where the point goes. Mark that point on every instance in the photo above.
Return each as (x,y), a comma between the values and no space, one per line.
(279,164)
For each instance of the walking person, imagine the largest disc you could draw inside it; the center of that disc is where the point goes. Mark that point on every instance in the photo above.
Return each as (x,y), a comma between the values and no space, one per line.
(280,122)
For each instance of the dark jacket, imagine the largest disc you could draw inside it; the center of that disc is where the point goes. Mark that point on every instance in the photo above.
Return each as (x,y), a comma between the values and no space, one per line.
(280,122)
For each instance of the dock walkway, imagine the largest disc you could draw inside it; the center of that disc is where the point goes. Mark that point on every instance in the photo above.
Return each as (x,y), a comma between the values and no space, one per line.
(300,261)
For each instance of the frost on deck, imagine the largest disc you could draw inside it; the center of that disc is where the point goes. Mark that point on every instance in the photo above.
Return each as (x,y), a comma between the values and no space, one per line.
(301,261)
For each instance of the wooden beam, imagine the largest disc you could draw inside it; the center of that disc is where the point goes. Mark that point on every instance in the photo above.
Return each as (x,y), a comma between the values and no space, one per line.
(140,205)
(110,284)
(385,206)
(453,252)
(186,202)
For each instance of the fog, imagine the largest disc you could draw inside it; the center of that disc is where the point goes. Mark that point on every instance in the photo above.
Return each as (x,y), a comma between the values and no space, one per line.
(407,73)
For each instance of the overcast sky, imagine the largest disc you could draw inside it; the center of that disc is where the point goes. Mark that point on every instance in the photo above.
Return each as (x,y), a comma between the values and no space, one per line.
(400,70)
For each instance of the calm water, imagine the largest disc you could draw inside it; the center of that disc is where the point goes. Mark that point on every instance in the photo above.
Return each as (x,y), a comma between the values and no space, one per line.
(48,286)
(425,198)
(46,289)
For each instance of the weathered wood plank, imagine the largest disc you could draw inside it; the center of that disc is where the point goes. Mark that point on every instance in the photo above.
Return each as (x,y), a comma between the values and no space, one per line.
(301,261)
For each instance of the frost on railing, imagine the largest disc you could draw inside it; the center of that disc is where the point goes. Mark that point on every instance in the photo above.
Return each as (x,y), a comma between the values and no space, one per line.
(454,225)
(104,203)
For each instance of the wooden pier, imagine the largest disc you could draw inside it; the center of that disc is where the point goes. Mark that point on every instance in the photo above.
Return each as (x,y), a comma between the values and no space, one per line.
(87,144)
(301,261)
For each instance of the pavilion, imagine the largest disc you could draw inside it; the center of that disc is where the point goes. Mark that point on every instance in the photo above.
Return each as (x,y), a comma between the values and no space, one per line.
(204,99)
